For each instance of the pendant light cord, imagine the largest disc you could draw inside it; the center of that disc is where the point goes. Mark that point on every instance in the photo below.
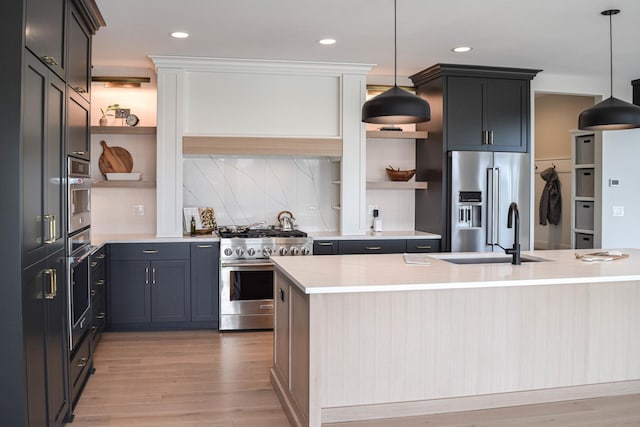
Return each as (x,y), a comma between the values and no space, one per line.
(611,54)
(395,45)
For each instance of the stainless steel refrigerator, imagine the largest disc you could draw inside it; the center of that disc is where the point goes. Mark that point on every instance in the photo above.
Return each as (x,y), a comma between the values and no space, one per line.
(482,186)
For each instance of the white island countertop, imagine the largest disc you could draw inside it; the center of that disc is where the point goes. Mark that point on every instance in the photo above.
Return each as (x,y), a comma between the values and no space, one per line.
(381,273)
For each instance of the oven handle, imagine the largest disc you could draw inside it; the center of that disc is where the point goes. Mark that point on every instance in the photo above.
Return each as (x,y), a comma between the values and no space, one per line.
(246,265)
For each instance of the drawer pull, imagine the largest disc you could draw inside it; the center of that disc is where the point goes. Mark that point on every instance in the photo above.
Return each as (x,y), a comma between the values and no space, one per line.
(93,292)
(325,243)
(94,329)
(101,256)
(205,246)
(100,316)
(423,247)
(94,263)
(373,248)
(150,251)
(99,282)
(83,362)
(266,306)
(79,153)
(79,89)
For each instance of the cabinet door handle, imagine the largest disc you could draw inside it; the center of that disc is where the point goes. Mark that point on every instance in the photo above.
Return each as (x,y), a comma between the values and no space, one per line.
(485,137)
(100,316)
(153,276)
(205,246)
(325,243)
(53,283)
(281,294)
(83,362)
(373,248)
(423,247)
(150,251)
(52,229)
(50,60)
(79,89)
(99,282)
(79,153)
(146,276)
(490,137)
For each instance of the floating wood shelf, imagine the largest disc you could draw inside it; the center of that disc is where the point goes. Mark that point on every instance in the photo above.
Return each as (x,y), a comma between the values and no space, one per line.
(256,145)
(390,134)
(123,130)
(397,185)
(124,184)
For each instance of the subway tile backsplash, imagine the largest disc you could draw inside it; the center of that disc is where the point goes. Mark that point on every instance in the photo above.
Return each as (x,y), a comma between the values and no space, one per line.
(248,190)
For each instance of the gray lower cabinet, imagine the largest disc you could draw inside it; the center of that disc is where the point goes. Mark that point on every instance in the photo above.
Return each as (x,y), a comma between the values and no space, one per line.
(368,246)
(325,247)
(98,277)
(149,283)
(205,299)
(423,245)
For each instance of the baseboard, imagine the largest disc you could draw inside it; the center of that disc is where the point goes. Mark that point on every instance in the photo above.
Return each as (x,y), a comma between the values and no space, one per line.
(283,396)
(470,403)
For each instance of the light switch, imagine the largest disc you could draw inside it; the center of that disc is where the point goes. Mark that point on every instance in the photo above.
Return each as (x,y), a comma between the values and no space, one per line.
(614,182)
(617,210)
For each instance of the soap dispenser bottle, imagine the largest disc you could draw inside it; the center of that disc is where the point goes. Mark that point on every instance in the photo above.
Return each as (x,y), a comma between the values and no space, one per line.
(377,221)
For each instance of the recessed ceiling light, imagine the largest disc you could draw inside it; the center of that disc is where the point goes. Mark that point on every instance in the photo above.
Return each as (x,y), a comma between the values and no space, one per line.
(461,49)
(179,35)
(327,41)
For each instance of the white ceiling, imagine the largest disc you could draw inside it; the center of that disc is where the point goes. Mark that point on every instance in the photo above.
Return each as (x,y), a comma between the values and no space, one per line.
(558,36)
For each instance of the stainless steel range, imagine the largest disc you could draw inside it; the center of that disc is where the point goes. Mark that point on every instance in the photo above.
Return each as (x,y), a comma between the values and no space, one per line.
(246,273)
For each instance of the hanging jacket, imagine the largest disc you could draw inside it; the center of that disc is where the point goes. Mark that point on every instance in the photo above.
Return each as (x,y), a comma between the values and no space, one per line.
(550,201)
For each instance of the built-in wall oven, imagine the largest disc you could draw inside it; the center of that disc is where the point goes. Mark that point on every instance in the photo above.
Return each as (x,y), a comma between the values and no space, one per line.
(79,286)
(246,273)
(79,194)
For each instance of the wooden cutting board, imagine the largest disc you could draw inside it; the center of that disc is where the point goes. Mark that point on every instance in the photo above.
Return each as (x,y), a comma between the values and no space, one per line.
(114,160)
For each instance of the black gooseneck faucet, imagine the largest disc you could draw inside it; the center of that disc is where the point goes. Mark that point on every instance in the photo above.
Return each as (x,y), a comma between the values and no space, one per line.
(515,251)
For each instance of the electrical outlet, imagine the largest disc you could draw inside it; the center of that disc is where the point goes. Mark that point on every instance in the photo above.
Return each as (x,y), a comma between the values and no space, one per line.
(312,210)
(138,210)
(617,210)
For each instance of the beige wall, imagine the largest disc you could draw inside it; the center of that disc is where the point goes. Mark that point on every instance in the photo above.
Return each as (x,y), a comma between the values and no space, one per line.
(555,115)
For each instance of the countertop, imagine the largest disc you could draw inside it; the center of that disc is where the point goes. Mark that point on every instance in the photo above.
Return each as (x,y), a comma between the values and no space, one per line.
(377,273)
(101,239)
(372,235)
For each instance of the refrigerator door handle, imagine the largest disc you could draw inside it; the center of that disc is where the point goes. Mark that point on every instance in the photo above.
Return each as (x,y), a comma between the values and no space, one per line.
(490,207)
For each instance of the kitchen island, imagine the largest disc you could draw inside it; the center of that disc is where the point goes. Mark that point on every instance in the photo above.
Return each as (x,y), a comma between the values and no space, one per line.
(368,336)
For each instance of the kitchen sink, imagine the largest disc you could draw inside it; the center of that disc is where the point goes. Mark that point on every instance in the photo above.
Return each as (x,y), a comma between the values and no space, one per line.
(502,259)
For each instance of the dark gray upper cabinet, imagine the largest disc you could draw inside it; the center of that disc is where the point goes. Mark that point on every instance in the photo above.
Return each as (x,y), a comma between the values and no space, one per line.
(78,128)
(44,32)
(487,114)
(78,54)
(205,260)
(42,161)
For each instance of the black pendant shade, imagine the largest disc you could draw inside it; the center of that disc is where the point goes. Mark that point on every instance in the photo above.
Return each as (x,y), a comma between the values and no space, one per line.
(396,106)
(612,113)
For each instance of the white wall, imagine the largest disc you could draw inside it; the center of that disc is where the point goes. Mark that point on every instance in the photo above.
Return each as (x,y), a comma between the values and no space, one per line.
(620,154)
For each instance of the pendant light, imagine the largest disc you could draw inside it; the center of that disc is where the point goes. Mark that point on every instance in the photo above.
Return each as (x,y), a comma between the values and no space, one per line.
(396,106)
(612,113)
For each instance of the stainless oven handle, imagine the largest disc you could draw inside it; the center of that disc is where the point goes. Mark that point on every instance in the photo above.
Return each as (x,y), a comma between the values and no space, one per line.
(246,265)
(266,306)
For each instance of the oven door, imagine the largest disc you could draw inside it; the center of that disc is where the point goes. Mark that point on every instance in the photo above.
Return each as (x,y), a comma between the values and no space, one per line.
(79,204)
(79,297)
(246,295)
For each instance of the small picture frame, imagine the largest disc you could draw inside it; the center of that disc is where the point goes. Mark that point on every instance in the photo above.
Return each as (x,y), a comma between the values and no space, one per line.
(122,113)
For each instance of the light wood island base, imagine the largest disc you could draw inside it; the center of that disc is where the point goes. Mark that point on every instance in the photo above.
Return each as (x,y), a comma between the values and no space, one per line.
(349,356)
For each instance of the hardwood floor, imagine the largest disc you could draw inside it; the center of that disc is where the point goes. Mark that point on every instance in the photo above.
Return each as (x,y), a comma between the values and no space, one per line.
(212,379)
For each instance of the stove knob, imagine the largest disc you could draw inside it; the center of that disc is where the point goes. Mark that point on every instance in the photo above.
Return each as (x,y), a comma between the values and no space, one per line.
(228,252)
(305,250)
(294,250)
(251,252)
(239,251)
(266,252)
(282,251)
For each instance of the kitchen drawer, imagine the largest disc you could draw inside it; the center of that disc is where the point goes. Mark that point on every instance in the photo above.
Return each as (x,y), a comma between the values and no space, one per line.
(423,245)
(98,259)
(585,182)
(584,241)
(149,251)
(325,247)
(584,150)
(584,215)
(80,367)
(349,247)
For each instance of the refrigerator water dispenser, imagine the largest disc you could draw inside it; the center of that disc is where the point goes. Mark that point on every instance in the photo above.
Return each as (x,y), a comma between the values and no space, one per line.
(469,209)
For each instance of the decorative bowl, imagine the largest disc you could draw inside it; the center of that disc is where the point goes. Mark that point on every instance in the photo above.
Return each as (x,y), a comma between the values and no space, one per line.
(398,175)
